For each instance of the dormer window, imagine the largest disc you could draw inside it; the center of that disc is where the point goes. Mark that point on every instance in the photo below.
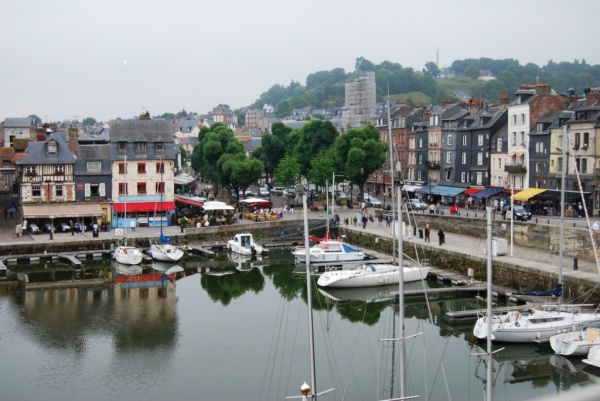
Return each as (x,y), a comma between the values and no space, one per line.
(122,146)
(160,146)
(52,147)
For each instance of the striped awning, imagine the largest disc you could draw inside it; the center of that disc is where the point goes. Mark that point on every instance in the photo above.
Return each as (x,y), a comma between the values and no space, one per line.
(61,211)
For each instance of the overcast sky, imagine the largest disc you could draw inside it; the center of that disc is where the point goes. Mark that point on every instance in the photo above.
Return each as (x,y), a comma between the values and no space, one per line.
(114,58)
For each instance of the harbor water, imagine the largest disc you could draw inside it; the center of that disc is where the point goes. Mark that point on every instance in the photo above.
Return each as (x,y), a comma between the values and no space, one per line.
(233,328)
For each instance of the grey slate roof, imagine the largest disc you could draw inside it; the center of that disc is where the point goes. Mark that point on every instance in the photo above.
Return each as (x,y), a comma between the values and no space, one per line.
(38,153)
(141,131)
(24,122)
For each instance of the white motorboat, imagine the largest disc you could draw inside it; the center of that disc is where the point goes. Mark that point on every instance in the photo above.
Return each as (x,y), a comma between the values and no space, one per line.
(330,252)
(371,274)
(534,324)
(244,244)
(127,254)
(575,342)
(593,357)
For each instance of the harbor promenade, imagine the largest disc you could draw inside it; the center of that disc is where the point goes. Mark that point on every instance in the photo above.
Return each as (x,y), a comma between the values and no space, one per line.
(532,258)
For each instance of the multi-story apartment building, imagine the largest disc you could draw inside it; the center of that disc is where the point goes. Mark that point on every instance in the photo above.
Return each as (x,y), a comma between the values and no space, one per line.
(142,155)
(223,114)
(360,99)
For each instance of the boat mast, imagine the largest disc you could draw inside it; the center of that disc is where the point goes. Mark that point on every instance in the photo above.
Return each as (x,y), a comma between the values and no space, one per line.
(392,176)
(565,142)
(490,360)
(311,333)
(401,294)
(162,167)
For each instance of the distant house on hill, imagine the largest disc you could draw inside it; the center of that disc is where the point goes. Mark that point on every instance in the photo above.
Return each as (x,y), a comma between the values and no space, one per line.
(446,73)
(461,96)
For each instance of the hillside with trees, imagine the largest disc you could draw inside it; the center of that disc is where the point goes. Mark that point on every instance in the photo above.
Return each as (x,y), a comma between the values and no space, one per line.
(325,89)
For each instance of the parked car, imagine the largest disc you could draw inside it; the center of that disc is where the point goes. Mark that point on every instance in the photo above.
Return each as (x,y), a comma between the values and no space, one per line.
(249,194)
(264,192)
(47,227)
(416,204)
(520,213)
(366,197)
(374,202)
(277,191)
(63,227)
(342,196)
(289,193)
(33,228)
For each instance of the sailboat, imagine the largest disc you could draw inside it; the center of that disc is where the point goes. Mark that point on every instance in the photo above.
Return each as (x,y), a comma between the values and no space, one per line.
(127,254)
(375,274)
(535,323)
(163,250)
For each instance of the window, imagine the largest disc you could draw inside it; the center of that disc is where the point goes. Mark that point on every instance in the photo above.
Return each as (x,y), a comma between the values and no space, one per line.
(448,157)
(122,146)
(500,163)
(560,141)
(464,140)
(52,147)
(479,158)
(514,119)
(577,140)
(160,168)
(59,190)
(463,177)
(141,188)
(59,169)
(412,143)
(449,140)
(420,159)
(94,167)
(480,140)
(141,168)
(583,166)
(420,142)
(522,138)
(159,146)
(140,147)
(31,171)
(419,175)
(448,175)
(514,139)
(122,169)
(539,147)
(540,127)
(586,140)
(479,178)
(122,188)
(523,118)
(160,187)
(464,158)
(94,189)
(538,167)
(499,144)
(560,164)
(36,190)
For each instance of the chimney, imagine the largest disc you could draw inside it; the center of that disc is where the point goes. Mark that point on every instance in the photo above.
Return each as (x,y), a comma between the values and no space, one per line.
(543,89)
(145,116)
(504,100)
(591,97)
(73,138)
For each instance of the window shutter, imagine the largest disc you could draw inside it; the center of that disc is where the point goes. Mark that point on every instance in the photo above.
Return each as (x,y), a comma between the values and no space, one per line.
(101,189)
(87,189)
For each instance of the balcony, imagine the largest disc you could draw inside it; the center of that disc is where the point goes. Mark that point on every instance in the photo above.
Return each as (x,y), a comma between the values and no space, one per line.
(515,168)
(433,165)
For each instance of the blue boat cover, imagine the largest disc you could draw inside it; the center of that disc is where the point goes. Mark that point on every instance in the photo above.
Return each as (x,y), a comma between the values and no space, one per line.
(165,239)
(349,249)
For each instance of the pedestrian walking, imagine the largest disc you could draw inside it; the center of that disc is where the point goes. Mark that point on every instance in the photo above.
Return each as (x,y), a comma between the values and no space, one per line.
(365,220)
(72,227)
(132,225)
(388,220)
(380,220)
(431,208)
(355,221)
(441,236)
(371,219)
(427,233)
(346,221)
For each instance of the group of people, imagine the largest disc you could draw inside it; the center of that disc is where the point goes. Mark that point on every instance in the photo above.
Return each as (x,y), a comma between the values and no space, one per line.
(441,235)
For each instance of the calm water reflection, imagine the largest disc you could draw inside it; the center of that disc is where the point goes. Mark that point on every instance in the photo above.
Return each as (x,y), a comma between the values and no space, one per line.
(239,331)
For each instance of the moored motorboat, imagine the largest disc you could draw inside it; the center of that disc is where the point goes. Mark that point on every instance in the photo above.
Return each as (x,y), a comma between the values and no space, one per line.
(244,244)
(593,357)
(127,254)
(329,252)
(371,274)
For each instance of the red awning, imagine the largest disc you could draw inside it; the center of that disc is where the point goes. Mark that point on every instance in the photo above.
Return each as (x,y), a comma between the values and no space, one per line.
(133,207)
(473,190)
(189,201)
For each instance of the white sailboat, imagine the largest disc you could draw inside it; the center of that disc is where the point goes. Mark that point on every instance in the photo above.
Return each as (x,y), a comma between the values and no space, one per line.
(575,342)
(535,323)
(163,250)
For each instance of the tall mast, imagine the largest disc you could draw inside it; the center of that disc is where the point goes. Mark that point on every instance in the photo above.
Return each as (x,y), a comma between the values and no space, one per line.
(392,175)
(563,180)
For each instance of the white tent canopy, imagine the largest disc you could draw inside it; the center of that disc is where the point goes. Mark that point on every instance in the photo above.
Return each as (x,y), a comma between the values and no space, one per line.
(216,205)
(183,179)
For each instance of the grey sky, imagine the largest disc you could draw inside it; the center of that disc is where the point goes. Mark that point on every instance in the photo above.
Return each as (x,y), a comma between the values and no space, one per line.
(66,58)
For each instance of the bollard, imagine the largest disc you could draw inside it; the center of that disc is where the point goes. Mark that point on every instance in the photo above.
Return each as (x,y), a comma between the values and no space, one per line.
(548,222)
(536,220)
(574,263)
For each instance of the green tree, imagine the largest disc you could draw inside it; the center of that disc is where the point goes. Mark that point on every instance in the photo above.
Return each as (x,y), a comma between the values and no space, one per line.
(432,68)
(361,153)
(314,137)
(322,167)
(273,148)
(36,120)
(238,172)
(287,172)
(88,122)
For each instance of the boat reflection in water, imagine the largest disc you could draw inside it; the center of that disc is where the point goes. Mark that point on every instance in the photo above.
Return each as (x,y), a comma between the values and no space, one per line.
(245,262)
(131,277)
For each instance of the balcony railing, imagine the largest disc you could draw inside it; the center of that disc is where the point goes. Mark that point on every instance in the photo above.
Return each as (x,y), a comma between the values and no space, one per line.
(515,168)
(433,165)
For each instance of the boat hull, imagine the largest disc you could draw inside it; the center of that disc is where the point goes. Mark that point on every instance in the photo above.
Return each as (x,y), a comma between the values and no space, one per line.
(243,244)
(575,342)
(370,275)
(128,255)
(593,358)
(166,252)
(533,325)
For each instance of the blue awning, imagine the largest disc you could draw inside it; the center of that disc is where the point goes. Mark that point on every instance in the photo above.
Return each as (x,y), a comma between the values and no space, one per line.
(440,190)
(486,193)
